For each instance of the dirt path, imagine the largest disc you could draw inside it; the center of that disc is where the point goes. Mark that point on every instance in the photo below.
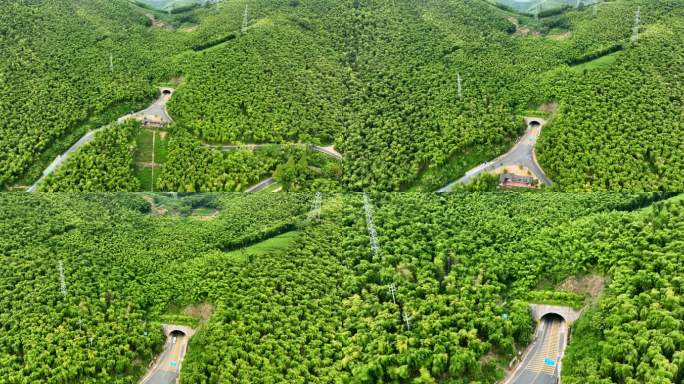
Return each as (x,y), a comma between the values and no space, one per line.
(521,154)
(155,114)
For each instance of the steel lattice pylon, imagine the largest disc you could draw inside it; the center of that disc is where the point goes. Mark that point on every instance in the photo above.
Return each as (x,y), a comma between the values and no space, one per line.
(62,282)
(369,223)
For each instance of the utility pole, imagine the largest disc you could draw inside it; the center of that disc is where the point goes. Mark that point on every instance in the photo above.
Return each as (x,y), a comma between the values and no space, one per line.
(637,25)
(393,290)
(369,224)
(536,12)
(111,62)
(245,19)
(62,282)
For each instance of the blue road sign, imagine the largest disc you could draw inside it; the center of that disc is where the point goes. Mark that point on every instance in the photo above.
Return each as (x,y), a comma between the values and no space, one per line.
(549,362)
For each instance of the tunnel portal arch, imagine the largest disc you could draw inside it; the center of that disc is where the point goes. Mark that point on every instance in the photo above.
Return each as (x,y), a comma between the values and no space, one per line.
(551,316)
(569,315)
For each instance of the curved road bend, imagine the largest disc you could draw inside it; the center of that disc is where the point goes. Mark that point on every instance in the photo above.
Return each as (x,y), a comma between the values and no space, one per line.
(261,186)
(540,365)
(157,109)
(166,370)
(522,153)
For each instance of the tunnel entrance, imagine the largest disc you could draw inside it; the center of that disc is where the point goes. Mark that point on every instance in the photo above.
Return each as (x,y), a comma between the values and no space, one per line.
(166,92)
(176,333)
(534,123)
(551,316)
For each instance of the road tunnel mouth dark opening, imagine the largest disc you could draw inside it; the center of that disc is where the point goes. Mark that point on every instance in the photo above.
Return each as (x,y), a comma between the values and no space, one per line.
(534,123)
(551,316)
(176,333)
(166,92)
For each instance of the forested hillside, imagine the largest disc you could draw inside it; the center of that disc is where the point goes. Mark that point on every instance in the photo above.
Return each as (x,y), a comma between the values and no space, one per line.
(55,74)
(412,93)
(320,310)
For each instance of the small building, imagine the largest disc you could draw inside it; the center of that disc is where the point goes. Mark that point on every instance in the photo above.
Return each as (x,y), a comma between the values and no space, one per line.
(510,180)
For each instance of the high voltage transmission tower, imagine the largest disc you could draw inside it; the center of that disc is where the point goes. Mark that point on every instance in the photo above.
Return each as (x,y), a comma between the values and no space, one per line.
(245,18)
(637,25)
(316,207)
(369,223)
(62,283)
(460,93)
(407,319)
(393,291)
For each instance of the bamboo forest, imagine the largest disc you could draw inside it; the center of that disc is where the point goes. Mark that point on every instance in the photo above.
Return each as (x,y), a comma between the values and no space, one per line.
(404,95)
(342,191)
(339,288)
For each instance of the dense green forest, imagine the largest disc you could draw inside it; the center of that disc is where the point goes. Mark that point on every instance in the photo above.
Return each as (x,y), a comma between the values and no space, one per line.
(317,307)
(412,93)
(105,164)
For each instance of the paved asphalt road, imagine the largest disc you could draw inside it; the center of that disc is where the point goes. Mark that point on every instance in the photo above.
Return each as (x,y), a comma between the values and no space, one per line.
(261,186)
(522,153)
(87,138)
(158,108)
(165,370)
(539,365)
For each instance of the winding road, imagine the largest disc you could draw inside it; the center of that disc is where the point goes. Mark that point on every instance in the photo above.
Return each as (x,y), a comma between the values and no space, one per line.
(155,114)
(541,364)
(522,154)
(329,150)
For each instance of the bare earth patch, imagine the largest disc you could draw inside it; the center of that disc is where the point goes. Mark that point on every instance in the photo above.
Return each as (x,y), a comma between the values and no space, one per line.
(162,134)
(155,23)
(154,209)
(591,284)
(518,170)
(208,217)
(201,311)
(522,30)
(551,107)
(560,36)
(176,81)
